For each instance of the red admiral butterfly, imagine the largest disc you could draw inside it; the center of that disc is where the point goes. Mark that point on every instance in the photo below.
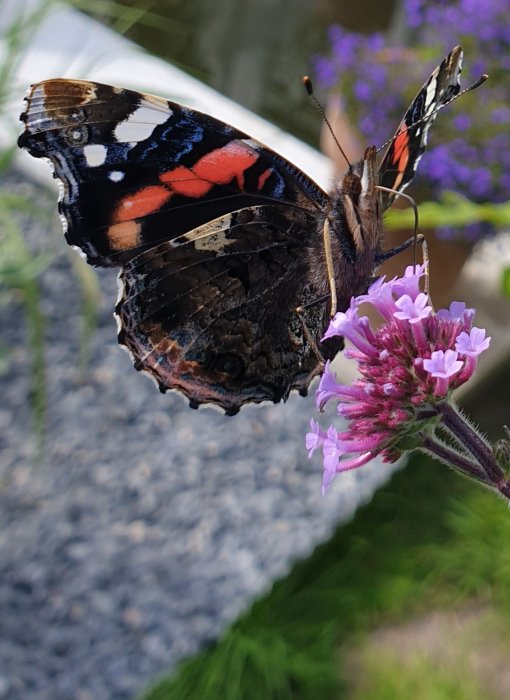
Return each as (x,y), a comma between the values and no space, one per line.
(220,240)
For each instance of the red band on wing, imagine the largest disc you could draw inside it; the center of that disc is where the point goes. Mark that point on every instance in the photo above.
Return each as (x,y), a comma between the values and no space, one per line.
(182,180)
(263,177)
(145,201)
(400,150)
(224,164)
(218,167)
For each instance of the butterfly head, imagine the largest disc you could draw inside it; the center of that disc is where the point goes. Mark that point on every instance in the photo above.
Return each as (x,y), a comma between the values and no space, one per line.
(356,215)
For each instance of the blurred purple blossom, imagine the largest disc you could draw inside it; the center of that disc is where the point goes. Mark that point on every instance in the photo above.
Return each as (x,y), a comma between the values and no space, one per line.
(462,122)
(500,115)
(470,147)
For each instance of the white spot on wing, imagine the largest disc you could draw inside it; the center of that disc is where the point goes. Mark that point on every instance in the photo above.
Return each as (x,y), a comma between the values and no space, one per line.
(95,154)
(140,124)
(116,175)
(431,94)
(251,143)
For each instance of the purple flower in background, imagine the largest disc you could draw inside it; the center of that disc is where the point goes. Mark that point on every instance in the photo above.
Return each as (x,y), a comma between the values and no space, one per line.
(325,71)
(500,115)
(462,122)
(407,368)
(470,147)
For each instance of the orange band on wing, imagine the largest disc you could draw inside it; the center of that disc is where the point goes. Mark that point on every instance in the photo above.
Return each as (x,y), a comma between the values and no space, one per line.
(401,151)
(145,201)
(182,180)
(124,236)
(263,177)
(218,167)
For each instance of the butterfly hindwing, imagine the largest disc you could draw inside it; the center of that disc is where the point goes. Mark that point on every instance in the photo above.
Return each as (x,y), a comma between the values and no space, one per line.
(213,312)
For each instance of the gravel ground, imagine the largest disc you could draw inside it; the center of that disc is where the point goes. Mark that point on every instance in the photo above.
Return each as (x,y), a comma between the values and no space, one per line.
(147,527)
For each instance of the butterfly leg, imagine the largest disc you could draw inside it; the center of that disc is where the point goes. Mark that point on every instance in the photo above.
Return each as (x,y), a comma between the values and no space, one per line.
(425,257)
(308,335)
(418,239)
(414,240)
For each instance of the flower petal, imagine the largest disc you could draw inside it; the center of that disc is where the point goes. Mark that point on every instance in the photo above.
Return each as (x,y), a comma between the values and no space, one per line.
(443,364)
(412,310)
(472,343)
(315,438)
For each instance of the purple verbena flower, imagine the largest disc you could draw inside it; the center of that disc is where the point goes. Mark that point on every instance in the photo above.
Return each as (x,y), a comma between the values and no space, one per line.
(442,365)
(472,343)
(412,311)
(406,367)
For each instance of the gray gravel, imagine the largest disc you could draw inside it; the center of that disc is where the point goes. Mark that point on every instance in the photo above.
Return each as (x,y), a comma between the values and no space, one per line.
(147,527)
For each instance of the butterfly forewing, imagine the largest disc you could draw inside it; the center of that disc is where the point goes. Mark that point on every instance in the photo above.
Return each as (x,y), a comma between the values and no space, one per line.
(137,170)
(401,159)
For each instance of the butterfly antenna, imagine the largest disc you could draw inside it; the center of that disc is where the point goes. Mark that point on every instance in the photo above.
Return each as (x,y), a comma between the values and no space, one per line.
(476,84)
(309,89)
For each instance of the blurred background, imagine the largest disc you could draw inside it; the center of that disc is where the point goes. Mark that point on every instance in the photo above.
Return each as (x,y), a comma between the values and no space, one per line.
(145,549)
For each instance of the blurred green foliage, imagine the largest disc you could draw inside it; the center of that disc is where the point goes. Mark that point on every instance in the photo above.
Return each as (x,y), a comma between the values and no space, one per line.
(20,266)
(506,282)
(19,270)
(453,210)
(386,678)
(428,541)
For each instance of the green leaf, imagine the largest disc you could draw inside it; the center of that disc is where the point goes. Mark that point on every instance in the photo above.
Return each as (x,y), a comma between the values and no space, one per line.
(505,282)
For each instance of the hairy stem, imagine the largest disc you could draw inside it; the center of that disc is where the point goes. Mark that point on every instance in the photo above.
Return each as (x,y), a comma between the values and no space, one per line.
(455,459)
(471,440)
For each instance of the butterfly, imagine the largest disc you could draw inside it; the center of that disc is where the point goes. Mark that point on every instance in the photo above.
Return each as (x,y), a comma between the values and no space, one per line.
(229,254)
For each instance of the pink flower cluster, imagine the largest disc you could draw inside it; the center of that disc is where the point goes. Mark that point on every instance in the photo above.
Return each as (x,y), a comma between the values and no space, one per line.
(406,367)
